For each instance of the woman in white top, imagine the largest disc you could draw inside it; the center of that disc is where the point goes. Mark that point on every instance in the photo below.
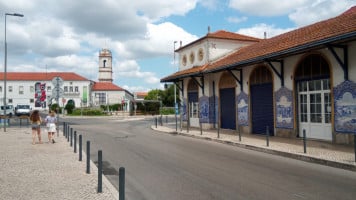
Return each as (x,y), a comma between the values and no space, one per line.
(51,121)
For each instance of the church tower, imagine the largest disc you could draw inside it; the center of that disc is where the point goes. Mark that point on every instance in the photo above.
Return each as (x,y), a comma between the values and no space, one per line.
(105,66)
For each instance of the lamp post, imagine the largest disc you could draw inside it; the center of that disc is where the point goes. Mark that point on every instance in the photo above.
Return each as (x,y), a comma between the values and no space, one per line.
(5,65)
(175,90)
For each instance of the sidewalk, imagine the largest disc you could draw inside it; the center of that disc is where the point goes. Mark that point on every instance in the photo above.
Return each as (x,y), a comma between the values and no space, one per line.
(325,153)
(46,171)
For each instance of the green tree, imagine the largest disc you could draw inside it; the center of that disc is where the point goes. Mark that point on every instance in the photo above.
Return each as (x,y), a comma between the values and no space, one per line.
(153,107)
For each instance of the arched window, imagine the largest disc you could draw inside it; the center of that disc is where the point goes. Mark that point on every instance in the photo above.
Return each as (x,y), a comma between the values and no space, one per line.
(260,75)
(312,67)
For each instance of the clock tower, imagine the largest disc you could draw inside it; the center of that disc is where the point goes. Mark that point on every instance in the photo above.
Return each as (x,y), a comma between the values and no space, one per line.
(105,66)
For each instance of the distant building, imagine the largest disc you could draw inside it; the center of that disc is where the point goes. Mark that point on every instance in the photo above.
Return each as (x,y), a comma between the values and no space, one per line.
(140,95)
(105,92)
(40,89)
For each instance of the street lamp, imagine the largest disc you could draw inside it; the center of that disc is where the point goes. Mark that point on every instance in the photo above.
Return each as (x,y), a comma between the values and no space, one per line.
(175,90)
(5,65)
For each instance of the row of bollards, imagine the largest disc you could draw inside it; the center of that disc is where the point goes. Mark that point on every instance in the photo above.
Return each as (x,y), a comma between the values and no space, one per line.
(68,133)
(304,139)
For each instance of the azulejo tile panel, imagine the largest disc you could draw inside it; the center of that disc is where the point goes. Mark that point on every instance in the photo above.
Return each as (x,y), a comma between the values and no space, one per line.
(242,109)
(204,109)
(345,107)
(284,108)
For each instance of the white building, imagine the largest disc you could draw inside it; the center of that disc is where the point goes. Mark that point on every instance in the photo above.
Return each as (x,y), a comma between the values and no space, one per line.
(40,89)
(299,82)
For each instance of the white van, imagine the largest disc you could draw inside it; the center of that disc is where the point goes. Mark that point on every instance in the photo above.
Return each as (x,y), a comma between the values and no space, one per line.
(9,110)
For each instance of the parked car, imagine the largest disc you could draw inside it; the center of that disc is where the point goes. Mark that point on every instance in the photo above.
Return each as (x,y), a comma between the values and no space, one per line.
(9,110)
(23,109)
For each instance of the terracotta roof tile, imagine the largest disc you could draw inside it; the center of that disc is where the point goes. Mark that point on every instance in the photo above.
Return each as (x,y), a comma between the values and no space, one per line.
(106,86)
(38,76)
(340,25)
(221,34)
(232,36)
(193,70)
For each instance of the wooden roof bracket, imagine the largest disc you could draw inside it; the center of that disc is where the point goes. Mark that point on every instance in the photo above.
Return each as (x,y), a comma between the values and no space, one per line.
(240,81)
(279,74)
(197,82)
(344,65)
(178,86)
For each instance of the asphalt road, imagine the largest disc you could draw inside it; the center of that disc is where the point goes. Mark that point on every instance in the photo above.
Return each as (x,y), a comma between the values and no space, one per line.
(163,166)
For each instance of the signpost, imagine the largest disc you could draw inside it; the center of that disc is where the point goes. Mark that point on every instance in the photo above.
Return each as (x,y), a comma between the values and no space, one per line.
(57,90)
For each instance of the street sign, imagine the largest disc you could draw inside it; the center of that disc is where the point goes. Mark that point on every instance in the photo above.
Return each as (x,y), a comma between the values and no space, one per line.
(57,92)
(57,81)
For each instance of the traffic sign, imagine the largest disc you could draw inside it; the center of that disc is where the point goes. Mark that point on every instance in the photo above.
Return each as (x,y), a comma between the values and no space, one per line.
(57,81)
(57,92)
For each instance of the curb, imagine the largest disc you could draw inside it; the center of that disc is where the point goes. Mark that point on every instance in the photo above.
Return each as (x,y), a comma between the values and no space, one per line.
(301,157)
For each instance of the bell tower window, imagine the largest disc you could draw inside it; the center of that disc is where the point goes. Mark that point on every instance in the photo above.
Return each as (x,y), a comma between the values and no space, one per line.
(104,62)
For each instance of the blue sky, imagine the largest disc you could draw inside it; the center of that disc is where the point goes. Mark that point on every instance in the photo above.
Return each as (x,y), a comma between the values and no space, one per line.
(67,35)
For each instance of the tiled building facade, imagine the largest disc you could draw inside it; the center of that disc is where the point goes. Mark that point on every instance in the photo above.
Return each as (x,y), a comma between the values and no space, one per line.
(299,81)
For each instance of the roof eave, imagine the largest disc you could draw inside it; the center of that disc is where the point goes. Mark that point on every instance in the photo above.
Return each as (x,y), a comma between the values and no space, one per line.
(289,51)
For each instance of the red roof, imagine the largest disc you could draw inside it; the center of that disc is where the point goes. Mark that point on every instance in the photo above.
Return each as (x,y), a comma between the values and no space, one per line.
(340,25)
(142,93)
(106,86)
(41,76)
(320,32)
(221,34)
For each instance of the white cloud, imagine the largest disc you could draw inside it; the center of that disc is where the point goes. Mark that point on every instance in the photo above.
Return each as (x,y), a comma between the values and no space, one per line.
(266,7)
(130,69)
(319,10)
(259,29)
(237,19)
(210,4)
(67,35)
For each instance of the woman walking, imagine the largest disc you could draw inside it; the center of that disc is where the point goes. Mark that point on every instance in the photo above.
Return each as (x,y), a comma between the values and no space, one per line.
(51,121)
(36,121)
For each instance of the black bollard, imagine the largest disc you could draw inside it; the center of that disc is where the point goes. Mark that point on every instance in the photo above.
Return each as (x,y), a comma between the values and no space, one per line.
(64,128)
(218,129)
(71,137)
(267,136)
(239,128)
(156,121)
(100,171)
(355,145)
(176,122)
(304,141)
(88,157)
(201,128)
(80,147)
(121,183)
(75,141)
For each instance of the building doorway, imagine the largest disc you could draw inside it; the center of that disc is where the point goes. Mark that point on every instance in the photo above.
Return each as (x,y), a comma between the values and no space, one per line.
(261,88)
(312,78)
(227,94)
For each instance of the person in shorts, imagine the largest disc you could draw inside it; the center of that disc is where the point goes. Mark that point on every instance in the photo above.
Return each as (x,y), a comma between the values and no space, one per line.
(51,121)
(36,121)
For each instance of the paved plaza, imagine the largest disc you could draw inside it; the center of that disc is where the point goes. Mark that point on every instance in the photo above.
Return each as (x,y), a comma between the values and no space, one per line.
(46,171)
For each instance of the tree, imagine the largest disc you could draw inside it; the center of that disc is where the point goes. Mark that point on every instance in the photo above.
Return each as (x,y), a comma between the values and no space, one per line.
(153,107)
